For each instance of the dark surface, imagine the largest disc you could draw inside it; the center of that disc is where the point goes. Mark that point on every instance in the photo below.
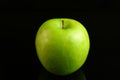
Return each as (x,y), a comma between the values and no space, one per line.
(19,22)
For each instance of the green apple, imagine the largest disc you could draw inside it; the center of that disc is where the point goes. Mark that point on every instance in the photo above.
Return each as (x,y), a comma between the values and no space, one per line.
(62,45)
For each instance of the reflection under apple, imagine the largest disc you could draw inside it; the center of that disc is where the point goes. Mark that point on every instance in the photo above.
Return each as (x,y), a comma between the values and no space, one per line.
(45,75)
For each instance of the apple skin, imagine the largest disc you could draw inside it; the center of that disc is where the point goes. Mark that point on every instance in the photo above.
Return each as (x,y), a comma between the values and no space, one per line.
(62,48)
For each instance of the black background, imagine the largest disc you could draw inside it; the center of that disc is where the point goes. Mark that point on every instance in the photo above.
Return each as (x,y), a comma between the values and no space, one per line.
(20,20)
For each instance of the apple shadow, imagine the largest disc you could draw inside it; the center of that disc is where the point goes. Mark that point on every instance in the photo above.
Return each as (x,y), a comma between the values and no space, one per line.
(45,75)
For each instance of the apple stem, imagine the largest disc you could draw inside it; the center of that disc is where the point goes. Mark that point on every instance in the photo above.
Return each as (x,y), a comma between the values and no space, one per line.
(62,24)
